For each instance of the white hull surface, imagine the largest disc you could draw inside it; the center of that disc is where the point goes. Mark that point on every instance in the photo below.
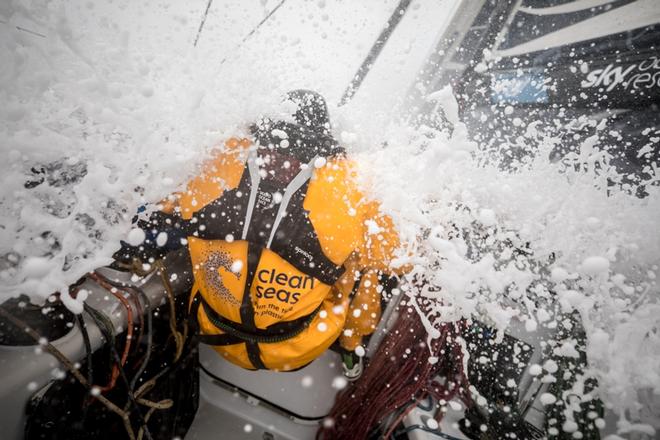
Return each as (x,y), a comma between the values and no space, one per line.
(241,404)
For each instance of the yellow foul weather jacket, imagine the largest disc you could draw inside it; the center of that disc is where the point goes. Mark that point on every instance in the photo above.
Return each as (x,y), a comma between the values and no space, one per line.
(286,254)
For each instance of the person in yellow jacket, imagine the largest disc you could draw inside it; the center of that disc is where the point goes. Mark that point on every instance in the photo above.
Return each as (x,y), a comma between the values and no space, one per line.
(287,253)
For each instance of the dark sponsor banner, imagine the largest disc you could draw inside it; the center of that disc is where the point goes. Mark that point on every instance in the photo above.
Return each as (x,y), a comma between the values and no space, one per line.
(633,79)
(624,81)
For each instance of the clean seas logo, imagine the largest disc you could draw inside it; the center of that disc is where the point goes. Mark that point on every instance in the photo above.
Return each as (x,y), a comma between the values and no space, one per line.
(642,75)
(212,264)
(283,287)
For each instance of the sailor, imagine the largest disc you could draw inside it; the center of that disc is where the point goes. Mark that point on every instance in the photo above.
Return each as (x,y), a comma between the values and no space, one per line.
(288,256)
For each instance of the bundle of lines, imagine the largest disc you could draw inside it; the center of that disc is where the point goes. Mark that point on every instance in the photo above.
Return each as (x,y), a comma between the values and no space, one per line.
(402,372)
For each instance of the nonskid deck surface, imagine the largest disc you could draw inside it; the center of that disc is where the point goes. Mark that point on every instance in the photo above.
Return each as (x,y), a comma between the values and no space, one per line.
(241,404)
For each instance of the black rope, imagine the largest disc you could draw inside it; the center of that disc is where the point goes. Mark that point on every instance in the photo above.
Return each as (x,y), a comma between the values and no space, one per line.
(238,46)
(369,61)
(88,347)
(104,324)
(201,25)
(149,334)
(88,354)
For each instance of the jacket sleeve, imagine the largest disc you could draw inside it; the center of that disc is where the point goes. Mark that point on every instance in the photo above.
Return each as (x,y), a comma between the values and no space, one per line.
(166,229)
(380,241)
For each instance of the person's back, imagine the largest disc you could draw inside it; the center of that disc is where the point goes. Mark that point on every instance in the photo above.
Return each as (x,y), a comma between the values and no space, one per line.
(285,252)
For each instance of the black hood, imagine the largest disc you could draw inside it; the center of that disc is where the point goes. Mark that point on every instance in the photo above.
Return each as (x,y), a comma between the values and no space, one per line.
(311,112)
(294,140)
(308,136)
